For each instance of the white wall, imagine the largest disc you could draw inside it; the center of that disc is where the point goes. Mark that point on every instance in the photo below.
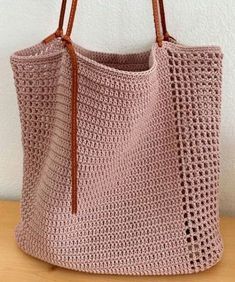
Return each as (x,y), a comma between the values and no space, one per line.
(117,26)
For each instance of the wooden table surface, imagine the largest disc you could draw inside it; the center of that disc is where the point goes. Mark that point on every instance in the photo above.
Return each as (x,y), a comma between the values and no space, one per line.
(17,266)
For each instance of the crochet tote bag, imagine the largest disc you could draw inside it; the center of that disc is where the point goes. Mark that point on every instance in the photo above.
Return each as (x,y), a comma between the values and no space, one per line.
(121,154)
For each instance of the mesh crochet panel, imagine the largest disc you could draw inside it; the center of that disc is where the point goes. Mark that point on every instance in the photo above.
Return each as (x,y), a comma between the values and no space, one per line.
(148,151)
(196,83)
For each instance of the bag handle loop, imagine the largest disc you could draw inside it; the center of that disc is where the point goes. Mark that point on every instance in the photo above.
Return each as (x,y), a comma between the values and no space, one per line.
(158,8)
(161,34)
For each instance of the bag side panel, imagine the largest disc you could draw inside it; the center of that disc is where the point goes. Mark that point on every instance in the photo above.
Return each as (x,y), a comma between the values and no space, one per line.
(36,83)
(196,87)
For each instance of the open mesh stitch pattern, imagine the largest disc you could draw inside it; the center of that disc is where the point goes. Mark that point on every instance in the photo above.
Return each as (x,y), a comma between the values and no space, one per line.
(196,83)
(148,151)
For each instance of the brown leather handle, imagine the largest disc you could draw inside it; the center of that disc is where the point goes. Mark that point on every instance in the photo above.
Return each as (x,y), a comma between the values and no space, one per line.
(159,22)
(156,6)
(62,14)
(158,9)
(166,35)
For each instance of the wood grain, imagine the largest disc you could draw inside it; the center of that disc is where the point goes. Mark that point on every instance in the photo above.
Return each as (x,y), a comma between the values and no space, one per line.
(17,266)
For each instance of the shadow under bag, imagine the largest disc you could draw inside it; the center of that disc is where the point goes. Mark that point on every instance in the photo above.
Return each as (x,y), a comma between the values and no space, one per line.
(121,154)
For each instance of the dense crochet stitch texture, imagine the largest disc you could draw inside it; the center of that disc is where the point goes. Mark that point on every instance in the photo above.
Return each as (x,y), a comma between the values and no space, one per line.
(148,150)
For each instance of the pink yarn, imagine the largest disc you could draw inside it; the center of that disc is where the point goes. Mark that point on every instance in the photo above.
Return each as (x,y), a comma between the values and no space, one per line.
(148,139)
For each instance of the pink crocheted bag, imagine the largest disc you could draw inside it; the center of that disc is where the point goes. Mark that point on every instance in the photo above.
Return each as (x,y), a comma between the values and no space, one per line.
(121,154)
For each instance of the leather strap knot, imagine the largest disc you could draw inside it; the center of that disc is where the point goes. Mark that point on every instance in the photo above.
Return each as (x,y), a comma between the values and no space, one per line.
(66,39)
(59,32)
